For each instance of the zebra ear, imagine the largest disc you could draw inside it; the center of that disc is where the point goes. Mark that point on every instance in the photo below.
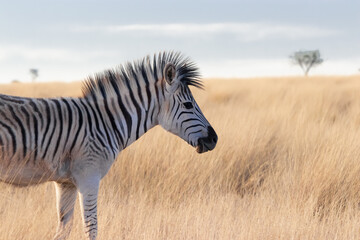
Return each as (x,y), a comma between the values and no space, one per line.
(169,73)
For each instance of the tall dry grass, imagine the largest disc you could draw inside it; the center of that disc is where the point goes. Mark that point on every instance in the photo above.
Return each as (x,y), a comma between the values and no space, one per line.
(286,167)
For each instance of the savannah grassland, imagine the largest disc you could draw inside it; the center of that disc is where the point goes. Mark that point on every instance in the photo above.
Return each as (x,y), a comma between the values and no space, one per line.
(287,166)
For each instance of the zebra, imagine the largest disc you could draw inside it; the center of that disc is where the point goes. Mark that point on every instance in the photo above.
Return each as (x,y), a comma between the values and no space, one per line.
(74,141)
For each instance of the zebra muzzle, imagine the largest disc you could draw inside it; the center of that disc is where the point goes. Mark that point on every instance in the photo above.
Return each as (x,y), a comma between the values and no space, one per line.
(207,143)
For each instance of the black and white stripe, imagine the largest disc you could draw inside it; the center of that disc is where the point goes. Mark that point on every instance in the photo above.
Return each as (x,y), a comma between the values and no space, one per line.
(74,141)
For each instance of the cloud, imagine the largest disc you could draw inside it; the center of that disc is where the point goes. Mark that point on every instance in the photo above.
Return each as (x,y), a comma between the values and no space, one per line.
(244,31)
(47,54)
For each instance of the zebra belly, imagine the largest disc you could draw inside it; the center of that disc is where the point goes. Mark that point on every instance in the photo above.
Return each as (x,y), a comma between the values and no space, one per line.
(23,177)
(25,174)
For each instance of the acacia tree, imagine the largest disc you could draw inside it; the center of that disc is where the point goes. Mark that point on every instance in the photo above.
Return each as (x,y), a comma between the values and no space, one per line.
(307,59)
(34,73)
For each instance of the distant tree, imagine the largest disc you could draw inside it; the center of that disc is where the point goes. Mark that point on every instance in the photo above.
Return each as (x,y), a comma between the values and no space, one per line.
(307,59)
(34,74)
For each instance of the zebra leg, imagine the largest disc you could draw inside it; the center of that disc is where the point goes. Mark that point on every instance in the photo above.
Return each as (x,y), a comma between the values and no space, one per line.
(88,192)
(65,200)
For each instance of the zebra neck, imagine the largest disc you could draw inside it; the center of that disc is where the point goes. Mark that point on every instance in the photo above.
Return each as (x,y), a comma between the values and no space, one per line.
(123,120)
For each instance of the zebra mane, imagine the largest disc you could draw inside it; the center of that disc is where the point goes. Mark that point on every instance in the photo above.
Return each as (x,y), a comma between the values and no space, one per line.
(114,80)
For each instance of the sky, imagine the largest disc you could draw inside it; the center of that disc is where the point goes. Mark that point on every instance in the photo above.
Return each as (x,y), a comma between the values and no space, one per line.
(70,40)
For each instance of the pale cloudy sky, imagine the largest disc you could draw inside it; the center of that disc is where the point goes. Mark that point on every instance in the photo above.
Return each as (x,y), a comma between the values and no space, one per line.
(68,40)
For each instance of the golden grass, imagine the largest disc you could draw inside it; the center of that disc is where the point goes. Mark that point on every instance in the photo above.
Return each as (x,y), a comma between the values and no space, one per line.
(286,167)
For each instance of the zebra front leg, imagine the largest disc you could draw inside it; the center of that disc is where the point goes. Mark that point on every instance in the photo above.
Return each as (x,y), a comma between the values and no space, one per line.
(88,192)
(65,200)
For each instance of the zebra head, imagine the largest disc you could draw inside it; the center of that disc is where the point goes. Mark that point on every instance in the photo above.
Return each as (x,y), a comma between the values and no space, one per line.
(180,113)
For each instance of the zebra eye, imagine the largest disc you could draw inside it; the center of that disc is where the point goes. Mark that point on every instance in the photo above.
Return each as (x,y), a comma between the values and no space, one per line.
(188,105)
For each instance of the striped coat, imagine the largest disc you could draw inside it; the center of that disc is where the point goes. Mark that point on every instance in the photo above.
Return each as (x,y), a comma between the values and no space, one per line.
(74,141)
